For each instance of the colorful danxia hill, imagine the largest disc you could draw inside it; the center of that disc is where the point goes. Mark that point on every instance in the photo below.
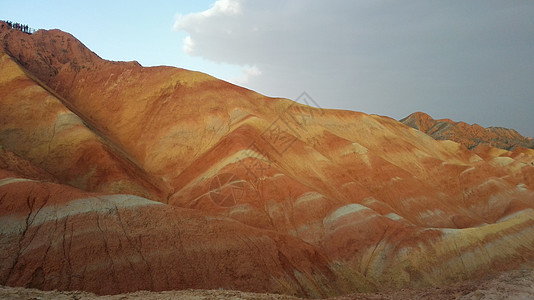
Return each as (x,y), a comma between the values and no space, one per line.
(117,178)
(471,136)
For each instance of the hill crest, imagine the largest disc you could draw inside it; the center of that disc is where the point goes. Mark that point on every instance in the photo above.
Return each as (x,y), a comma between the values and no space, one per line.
(466,134)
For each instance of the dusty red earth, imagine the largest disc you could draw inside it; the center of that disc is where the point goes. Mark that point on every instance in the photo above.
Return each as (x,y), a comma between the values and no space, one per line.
(468,135)
(517,285)
(116,178)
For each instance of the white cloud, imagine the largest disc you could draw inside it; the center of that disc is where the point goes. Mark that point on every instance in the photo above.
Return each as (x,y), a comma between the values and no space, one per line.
(247,73)
(449,58)
(221,8)
(228,7)
(189,45)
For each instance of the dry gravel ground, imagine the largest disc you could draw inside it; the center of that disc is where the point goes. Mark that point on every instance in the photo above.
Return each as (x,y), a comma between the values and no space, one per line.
(518,284)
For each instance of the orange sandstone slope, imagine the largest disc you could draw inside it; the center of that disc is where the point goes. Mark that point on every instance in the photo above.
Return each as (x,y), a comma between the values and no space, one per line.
(116,178)
(468,135)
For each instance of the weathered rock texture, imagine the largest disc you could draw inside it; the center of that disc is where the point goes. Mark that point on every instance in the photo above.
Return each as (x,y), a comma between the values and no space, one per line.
(470,136)
(516,284)
(116,178)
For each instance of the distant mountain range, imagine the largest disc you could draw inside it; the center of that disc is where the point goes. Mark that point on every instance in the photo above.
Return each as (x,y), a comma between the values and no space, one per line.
(470,136)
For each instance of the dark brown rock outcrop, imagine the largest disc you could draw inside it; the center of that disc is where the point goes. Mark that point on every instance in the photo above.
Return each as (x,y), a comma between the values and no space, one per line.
(468,135)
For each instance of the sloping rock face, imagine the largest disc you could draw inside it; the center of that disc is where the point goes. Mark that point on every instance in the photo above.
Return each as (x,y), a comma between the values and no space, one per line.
(468,135)
(116,178)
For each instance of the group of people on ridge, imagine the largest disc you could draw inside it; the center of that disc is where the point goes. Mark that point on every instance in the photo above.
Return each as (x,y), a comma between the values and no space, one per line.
(21,27)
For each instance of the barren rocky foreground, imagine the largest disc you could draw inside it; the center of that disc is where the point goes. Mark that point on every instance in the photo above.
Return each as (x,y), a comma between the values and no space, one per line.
(517,285)
(116,178)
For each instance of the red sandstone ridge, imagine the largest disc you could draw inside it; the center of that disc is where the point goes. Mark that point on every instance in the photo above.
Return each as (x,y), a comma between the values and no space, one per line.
(468,135)
(116,178)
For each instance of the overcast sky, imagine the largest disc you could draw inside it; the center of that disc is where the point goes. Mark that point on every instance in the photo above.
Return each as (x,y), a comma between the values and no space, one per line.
(470,61)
